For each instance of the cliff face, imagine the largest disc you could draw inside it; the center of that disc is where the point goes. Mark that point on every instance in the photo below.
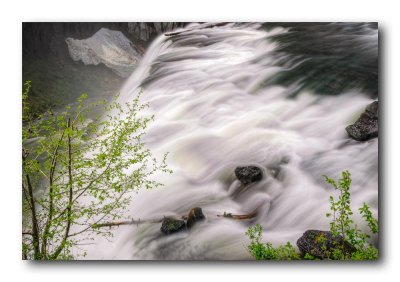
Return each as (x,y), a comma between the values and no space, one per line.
(43,39)
(56,78)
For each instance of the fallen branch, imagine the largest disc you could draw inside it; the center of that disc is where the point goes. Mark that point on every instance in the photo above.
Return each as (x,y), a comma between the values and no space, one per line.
(239,216)
(127,222)
(201,26)
(139,221)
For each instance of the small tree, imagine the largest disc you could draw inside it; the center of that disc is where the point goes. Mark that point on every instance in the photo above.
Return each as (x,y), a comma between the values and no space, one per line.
(342,223)
(79,174)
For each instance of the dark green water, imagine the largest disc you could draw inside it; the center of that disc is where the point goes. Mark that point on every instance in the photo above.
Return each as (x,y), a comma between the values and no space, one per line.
(327,58)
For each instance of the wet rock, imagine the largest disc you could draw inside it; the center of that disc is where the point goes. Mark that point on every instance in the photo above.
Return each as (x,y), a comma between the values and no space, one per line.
(195,215)
(248,174)
(321,244)
(366,127)
(171,225)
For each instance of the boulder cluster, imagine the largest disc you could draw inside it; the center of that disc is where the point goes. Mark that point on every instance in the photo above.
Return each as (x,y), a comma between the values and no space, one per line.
(172,225)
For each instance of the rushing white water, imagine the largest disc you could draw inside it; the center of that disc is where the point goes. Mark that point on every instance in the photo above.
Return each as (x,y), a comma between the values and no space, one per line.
(212,116)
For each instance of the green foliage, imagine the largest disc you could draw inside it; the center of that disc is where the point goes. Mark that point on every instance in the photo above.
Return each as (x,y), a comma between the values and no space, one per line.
(371,221)
(343,225)
(265,251)
(307,256)
(341,211)
(354,246)
(79,173)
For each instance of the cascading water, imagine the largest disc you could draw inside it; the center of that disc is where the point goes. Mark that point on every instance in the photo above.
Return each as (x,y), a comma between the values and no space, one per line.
(213,112)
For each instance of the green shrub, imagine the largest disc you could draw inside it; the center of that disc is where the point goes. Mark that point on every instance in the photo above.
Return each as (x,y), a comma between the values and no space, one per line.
(342,225)
(265,251)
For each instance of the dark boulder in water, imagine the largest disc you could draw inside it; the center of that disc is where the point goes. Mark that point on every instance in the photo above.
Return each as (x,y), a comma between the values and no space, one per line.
(366,127)
(321,244)
(171,225)
(248,174)
(195,215)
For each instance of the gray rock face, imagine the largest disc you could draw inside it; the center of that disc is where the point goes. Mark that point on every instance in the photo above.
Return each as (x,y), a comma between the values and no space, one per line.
(366,127)
(248,174)
(195,215)
(106,46)
(171,225)
(320,244)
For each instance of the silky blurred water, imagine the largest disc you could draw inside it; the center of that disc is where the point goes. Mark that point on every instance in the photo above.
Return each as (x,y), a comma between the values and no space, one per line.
(214,112)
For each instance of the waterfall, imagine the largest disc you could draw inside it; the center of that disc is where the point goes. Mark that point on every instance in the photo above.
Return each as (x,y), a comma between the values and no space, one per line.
(213,112)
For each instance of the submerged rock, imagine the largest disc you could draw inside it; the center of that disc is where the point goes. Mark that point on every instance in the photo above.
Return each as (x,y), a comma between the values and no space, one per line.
(106,46)
(248,174)
(195,215)
(321,244)
(366,127)
(171,225)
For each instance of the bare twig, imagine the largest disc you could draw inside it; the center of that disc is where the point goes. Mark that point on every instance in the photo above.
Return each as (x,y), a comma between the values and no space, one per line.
(27,233)
(31,201)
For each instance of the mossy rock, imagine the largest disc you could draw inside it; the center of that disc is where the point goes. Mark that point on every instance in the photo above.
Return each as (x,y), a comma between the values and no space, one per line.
(171,225)
(322,244)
